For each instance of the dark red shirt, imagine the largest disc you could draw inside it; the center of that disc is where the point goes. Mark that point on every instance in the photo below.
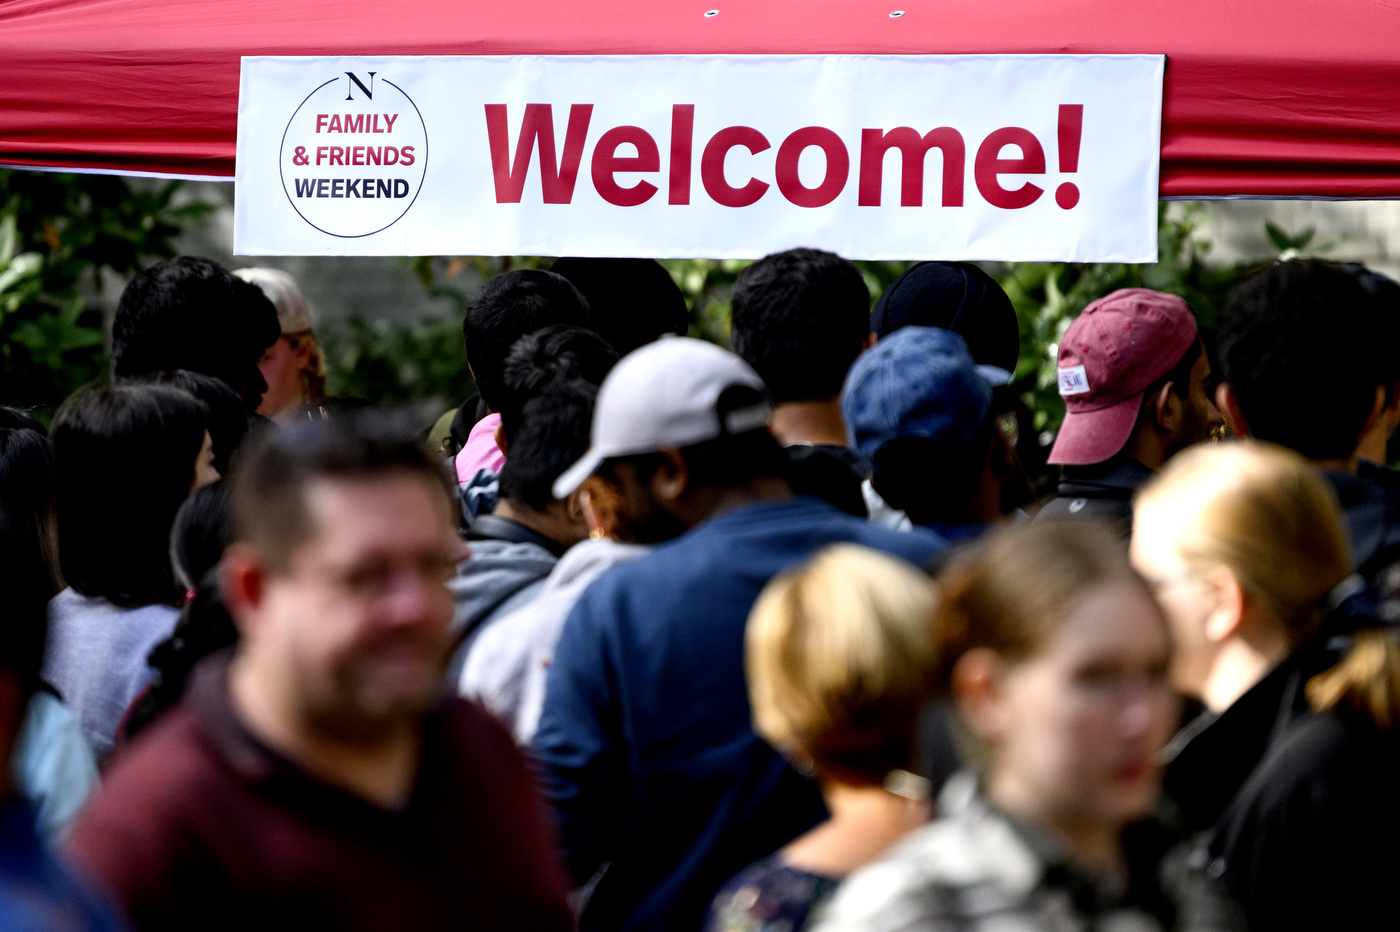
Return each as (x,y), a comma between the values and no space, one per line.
(202,826)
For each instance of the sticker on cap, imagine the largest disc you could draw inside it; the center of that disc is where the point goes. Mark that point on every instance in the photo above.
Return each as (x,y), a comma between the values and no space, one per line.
(1073,381)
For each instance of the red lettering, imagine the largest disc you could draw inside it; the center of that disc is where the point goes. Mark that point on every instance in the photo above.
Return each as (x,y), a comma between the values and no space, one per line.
(320,121)
(389,121)
(376,125)
(354,123)
(682,142)
(990,164)
(556,178)
(373,155)
(912,148)
(712,166)
(606,163)
(337,155)
(335,124)
(320,151)
(838,166)
(357,155)
(406,155)
(388,151)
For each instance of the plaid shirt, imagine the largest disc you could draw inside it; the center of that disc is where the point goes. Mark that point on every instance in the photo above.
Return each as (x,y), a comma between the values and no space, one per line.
(977,870)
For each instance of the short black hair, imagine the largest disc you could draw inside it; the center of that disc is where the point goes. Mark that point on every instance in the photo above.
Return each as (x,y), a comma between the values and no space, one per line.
(553,435)
(928,483)
(228,420)
(28,557)
(1302,344)
(125,460)
(633,301)
(267,491)
(192,313)
(801,318)
(512,305)
(547,357)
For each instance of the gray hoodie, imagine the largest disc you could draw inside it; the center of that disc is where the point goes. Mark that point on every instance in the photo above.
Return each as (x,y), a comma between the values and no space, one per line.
(507,664)
(499,577)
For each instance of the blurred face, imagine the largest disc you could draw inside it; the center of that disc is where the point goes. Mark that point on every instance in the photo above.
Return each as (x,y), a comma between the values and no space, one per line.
(355,632)
(281,367)
(1074,732)
(204,471)
(1186,600)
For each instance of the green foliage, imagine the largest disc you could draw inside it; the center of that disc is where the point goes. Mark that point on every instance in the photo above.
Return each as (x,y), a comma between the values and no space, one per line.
(398,362)
(58,234)
(1049,296)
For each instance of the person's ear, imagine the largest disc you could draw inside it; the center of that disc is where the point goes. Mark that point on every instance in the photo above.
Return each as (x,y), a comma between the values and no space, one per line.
(500,437)
(871,339)
(976,689)
(301,352)
(1166,408)
(1228,403)
(243,576)
(1225,617)
(576,508)
(672,478)
(599,503)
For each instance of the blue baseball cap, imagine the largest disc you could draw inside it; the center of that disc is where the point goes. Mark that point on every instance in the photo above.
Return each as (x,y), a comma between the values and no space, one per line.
(917,382)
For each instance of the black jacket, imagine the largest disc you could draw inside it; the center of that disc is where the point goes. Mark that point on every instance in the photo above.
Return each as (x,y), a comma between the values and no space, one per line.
(1371,500)
(1310,841)
(1288,799)
(1103,492)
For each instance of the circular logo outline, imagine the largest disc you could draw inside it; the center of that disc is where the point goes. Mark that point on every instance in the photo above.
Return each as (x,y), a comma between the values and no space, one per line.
(282,148)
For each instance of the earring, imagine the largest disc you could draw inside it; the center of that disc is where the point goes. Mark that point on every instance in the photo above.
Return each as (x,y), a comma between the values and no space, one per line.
(596,534)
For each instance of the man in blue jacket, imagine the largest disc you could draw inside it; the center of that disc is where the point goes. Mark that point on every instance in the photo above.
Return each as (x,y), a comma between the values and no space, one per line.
(660,782)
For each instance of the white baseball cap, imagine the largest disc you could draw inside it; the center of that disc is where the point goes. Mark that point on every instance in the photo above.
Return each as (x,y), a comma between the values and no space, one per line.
(665,394)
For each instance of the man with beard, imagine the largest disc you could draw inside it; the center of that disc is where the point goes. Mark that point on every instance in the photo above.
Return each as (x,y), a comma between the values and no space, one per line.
(314,778)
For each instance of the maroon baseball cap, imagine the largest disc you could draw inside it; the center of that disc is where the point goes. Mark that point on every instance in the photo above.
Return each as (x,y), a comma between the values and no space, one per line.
(1121,344)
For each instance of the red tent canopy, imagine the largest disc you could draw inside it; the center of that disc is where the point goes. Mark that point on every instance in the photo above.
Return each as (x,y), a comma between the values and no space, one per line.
(1262,98)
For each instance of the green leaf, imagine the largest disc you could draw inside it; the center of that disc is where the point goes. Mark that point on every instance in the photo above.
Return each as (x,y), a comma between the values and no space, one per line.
(1280,239)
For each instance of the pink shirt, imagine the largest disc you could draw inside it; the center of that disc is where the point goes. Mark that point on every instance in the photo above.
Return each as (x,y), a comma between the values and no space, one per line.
(480,451)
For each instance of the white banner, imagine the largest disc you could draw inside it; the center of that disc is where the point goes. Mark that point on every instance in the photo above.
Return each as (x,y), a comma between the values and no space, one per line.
(1016,157)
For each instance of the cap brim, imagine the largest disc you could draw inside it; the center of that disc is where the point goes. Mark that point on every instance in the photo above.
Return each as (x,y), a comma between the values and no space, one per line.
(995,376)
(1089,437)
(571,478)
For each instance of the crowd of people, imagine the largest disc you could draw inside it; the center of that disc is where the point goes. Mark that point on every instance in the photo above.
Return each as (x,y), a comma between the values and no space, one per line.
(653,635)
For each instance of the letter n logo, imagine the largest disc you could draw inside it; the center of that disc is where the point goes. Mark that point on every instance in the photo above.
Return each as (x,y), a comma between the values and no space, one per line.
(356,82)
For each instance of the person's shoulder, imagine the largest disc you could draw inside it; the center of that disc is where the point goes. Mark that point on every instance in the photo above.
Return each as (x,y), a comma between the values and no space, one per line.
(768,896)
(917,545)
(930,876)
(167,769)
(478,740)
(1316,752)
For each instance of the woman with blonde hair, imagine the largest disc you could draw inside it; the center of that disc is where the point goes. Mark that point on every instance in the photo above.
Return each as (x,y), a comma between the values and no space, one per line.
(840,661)
(293,366)
(1056,656)
(1293,765)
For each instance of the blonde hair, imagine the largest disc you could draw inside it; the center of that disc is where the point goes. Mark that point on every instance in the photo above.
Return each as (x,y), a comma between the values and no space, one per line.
(313,374)
(1264,512)
(840,657)
(1268,515)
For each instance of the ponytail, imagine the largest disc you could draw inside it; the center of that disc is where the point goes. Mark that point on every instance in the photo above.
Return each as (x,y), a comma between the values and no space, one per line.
(1366,680)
